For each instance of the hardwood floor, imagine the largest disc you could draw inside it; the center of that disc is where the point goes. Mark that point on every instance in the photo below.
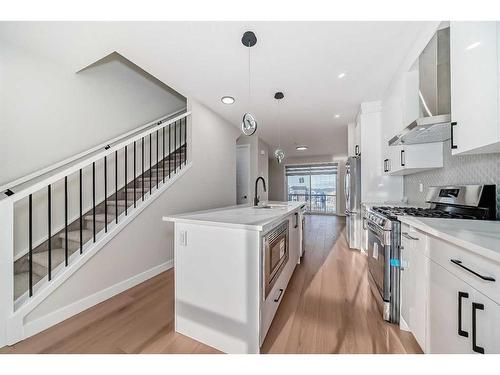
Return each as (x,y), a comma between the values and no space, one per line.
(327,308)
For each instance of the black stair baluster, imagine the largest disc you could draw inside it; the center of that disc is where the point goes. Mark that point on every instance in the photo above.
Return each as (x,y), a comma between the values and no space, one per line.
(66,251)
(126,196)
(142,175)
(184,144)
(169,149)
(163,159)
(175,147)
(105,194)
(157,163)
(180,144)
(93,199)
(81,214)
(30,255)
(116,186)
(49,230)
(135,175)
(150,169)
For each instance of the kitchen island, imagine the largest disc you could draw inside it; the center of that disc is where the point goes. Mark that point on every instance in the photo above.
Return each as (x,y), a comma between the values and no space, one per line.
(232,266)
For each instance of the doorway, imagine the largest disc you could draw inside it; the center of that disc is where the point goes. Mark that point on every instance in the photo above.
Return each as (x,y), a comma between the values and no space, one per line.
(314,184)
(242,174)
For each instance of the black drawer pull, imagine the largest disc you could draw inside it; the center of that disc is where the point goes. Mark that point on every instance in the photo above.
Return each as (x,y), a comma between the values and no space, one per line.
(461,332)
(403,162)
(459,263)
(475,307)
(453,145)
(279,296)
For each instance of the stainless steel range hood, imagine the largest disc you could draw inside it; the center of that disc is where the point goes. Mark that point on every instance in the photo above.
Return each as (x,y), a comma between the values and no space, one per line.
(433,124)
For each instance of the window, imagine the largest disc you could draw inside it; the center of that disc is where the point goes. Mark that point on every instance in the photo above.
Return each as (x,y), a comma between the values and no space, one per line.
(315,184)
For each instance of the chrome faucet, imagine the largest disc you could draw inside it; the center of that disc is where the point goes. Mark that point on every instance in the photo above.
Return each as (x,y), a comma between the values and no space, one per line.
(256,198)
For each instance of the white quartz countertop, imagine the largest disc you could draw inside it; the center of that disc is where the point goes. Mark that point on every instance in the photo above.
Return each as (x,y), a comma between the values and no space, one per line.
(479,236)
(241,216)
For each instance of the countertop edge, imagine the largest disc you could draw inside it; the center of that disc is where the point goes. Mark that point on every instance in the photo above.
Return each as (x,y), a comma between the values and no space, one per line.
(255,227)
(467,245)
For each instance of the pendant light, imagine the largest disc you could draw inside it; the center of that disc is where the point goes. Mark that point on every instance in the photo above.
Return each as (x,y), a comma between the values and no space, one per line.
(249,123)
(279,154)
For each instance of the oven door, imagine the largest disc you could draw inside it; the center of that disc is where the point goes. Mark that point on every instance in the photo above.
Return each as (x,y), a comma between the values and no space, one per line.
(379,260)
(276,256)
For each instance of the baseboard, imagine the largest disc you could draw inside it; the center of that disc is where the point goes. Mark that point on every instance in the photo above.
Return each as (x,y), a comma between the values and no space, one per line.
(403,325)
(32,328)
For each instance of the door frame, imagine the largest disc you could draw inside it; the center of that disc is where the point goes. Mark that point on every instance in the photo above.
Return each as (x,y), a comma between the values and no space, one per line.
(248,155)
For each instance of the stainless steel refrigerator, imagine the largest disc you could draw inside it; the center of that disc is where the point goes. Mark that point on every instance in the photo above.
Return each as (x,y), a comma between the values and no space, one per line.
(352,190)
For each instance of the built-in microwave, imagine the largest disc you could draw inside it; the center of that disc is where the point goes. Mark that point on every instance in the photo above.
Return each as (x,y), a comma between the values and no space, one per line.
(276,253)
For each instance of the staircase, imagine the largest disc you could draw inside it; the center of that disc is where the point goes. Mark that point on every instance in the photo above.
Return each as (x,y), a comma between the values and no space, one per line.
(126,197)
(50,219)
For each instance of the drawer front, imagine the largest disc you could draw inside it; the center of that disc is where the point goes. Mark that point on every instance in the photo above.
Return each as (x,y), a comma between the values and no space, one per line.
(415,238)
(467,266)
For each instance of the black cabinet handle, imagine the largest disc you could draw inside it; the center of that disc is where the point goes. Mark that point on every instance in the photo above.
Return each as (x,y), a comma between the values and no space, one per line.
(475,307)
(461,332)
(296,220)
(279,296)
(356,150)
(403,158)
(386,165)
(453,145)
(459,263)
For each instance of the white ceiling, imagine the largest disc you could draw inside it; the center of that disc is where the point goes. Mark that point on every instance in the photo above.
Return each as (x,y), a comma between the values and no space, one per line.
(206,60)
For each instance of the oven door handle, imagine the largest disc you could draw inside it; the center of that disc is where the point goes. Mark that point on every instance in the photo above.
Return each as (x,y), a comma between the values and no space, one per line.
(406,235)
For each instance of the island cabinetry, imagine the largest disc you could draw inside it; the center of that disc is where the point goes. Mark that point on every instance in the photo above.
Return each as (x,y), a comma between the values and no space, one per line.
(232,268)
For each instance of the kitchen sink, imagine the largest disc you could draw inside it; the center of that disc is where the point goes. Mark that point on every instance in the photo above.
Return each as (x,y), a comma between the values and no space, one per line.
(271,206)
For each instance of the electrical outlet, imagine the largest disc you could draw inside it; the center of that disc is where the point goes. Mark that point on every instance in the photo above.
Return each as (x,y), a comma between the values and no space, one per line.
(420,187)
(183,238)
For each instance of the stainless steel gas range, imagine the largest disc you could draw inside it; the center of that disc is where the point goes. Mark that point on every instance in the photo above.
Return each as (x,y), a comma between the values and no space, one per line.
(473,202)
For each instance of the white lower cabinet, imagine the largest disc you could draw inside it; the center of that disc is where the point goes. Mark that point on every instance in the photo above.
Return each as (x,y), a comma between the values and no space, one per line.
(414,271)
(450,299)
(442,309)
(487,324)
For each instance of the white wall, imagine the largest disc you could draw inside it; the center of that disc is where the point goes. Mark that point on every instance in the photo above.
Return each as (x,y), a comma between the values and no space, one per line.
(277,176)
(49,112)
(147,242)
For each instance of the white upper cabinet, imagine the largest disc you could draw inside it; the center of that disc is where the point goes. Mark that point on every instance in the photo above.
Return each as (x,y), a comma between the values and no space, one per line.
(474,54)
(400,108)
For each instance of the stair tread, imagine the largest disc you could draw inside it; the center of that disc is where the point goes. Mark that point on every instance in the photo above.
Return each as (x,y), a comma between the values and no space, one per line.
(58,256)
(112,202)
(74,235)
(99,218)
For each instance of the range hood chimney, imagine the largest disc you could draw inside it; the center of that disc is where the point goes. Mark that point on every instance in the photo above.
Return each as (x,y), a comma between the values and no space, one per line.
(433,123)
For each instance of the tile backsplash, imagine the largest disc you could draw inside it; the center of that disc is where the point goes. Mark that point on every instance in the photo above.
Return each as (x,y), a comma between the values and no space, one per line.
(466,169)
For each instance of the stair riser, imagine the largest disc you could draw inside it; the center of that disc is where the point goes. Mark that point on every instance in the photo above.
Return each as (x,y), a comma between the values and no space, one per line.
(38,270)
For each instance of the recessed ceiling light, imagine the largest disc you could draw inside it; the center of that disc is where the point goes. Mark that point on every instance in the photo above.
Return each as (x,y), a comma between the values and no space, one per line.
(337,116)
(341,75)
(227,100)
(301,148)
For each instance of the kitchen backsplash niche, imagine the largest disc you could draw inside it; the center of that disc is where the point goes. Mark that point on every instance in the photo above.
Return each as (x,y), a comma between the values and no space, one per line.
(466,169)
